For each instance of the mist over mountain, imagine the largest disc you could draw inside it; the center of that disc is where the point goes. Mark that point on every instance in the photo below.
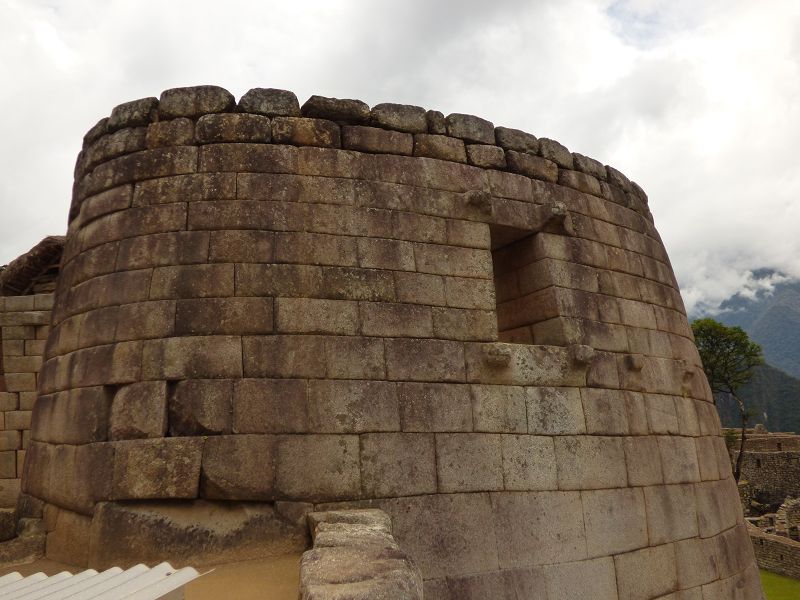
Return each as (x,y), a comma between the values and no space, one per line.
(773,398)
(770,314)
(771,317)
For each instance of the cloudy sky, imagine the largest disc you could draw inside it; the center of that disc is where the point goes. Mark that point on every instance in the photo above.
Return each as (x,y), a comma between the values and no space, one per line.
(697,100)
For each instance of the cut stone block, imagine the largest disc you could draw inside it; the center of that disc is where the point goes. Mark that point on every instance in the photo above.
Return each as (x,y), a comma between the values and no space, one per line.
(152,469)
(200,407)
(139,410)
(469,462)
(398,464)
(319,468)
(270,102)
(252,479)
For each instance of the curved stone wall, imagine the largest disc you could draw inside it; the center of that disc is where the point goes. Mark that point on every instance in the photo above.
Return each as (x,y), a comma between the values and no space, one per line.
(470,328)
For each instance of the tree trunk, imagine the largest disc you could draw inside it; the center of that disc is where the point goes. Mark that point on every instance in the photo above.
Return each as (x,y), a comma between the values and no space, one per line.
(737,471)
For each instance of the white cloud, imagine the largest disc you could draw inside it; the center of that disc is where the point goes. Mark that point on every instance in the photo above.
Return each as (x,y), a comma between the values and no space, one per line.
(695,101)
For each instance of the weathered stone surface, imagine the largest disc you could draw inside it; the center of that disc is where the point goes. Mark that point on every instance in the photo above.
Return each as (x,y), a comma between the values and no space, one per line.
(8,523)
(615,521)
(79,416)
(514,139)
(270,406)
(352,406)
(400,117)
(335,109)
(439,146)
(217,128)
(191,533)
(499,409)
(552,150)
(68,540)
(193,357)
(590,462)
(434,407)
(98,129)
(131,114)
(318,467)
(176,132)
(436,122)
(589,166)
(659,565)
(378,141)
(23,548)
(254,477)
(201,407)
(398,464)
(372,517)
(555,411)
(160,468)
(671,513)
(315,301)
(559,538)
(139,410)
(529,463)
(532,166)
(211,316)
(579,181)
(469,462)
(490,157)
(358,561)
(194,101)
(470,128)
(306,132)
(270,102)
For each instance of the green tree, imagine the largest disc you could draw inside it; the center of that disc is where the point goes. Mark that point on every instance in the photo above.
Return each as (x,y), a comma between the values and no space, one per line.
(729,359)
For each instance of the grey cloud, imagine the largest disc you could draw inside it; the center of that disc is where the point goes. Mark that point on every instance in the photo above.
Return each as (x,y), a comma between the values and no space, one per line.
(665,90)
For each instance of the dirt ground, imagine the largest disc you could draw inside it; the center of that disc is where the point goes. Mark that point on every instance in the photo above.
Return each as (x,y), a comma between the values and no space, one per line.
(275,578)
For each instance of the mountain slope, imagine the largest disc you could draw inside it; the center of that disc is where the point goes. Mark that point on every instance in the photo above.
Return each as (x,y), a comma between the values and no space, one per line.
(773,397)
(772,320)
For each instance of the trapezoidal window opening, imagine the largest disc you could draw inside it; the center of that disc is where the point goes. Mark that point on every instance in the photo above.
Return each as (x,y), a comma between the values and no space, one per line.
(526,308)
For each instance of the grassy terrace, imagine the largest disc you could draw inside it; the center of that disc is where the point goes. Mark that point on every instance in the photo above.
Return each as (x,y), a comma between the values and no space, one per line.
(778,587)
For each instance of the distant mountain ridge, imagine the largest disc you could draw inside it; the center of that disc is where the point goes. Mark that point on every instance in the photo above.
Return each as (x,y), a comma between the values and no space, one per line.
(772,319)
(772,396)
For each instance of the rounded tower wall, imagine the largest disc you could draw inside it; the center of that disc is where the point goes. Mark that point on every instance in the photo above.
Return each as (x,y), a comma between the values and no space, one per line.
(474,329)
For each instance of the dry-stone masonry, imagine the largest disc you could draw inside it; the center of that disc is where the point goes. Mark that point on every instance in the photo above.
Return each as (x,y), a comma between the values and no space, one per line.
(26,299)
(356,557)
(776,553)
(265,309)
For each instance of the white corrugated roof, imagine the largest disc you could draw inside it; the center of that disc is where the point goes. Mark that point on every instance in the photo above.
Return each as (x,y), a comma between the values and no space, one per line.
(137,583)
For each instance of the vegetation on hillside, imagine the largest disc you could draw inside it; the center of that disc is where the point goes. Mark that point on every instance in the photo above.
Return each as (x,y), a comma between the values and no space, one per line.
(773,398)
(729,359)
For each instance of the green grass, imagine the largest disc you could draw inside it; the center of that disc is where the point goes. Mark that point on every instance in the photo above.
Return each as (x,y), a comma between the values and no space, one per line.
(778,587)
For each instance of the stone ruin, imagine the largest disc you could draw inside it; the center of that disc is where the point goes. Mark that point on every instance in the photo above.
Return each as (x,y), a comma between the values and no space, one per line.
(265,310)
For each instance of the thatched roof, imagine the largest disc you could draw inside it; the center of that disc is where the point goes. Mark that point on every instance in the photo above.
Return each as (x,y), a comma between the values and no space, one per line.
(35,271)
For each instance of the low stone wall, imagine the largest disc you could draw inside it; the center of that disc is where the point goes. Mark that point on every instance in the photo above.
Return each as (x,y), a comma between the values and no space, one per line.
(776,553)
(773,476)
(24,325)
(773,442)
(355,556)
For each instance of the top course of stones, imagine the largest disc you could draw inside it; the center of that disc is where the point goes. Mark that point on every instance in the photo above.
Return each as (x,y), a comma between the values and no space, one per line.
(209,114)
